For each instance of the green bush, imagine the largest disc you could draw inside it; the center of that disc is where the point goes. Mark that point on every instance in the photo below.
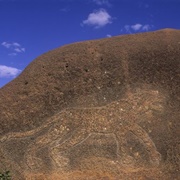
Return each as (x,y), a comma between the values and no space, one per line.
(5,176)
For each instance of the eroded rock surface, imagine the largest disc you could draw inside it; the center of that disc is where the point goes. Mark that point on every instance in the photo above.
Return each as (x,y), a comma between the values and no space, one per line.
(104,109)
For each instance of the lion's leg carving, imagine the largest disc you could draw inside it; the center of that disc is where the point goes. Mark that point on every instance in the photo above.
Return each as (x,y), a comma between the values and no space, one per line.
(57,152)
(123,157)
(31,158)
(155,156)
(54,133)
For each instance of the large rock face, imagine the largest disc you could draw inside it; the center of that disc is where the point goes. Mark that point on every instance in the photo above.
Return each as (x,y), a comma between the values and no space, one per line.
(103,109)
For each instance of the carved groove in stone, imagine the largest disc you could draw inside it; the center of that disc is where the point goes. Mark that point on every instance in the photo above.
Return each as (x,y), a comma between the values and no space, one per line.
(72,127)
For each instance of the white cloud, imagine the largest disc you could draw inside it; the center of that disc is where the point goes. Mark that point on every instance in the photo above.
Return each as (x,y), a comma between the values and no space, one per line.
(14,47)
(102,2)
(98,18)
(19,50)
(127,28)
(5,44)
(6,71)
(146,27)
(137,27)
(16,44)
(108,35)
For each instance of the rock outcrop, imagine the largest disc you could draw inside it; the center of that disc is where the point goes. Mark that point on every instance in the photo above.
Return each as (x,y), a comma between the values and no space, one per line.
(102,109)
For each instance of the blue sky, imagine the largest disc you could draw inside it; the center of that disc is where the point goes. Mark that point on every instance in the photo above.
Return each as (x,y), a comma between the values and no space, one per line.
(28,28)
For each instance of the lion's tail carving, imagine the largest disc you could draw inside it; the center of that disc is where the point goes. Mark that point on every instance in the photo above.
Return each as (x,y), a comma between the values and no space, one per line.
(14,135)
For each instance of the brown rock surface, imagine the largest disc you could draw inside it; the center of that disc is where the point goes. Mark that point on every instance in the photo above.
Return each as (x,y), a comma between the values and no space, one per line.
(103,109)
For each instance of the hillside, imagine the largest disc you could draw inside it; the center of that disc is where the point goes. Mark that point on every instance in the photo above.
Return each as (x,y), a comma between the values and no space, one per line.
(139,71)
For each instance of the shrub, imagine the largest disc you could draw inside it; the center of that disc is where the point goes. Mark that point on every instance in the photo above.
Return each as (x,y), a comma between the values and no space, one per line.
(5,176)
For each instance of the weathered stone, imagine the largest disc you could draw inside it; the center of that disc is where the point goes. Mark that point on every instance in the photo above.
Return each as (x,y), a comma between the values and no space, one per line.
(103,109)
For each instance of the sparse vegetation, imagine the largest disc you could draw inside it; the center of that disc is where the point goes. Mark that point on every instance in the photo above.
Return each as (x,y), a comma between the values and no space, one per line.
(5,176)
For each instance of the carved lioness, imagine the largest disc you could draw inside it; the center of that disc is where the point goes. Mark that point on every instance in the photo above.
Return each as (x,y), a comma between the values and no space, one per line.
(73,126)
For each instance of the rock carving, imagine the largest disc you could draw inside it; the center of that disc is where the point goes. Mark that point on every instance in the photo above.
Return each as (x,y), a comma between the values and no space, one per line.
(73,126)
